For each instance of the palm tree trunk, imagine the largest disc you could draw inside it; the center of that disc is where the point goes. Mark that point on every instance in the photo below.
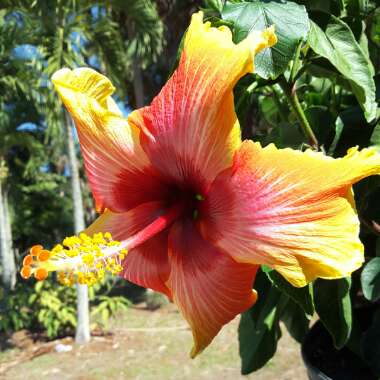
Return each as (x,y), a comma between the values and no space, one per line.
(82,334)
(138,86)
(3,244)
(9,240)
(6,251)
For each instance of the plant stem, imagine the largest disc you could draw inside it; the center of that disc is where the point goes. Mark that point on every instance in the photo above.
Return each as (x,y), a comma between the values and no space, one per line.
(291,94)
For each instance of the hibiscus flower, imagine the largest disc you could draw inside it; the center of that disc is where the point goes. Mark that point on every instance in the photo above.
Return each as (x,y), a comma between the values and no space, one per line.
(190,210)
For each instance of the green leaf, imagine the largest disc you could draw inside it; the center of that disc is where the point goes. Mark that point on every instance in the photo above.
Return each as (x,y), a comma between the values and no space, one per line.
(295,320)
(337,43)
(259,328)
(363,42)
(375,27)
(356,7)
(375,138)
(216,5)
(370,279)
(285,135)
(333,305)
(290,20)
(301,296)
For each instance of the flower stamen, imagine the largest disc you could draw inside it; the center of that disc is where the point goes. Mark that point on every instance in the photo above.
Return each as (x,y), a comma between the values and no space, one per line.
(79,259)
(36,249)
(85,260)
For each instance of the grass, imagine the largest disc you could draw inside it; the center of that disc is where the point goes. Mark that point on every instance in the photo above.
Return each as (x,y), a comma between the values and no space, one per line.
(142,348)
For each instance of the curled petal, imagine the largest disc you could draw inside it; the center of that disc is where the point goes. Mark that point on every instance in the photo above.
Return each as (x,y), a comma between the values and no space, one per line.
(118,170)
(190,130)
(146,265)
(291,210)
(209,287)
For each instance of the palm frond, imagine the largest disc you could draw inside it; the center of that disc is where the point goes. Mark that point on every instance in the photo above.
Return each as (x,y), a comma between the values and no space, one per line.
(145,28)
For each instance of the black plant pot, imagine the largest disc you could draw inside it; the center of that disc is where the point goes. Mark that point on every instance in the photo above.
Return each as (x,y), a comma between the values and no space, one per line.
(324,362)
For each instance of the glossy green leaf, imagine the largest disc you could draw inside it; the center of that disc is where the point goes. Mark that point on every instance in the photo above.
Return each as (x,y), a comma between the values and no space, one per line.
(363,42)
(370,279)
(303,297)
(259,328)
(337,43)
(290,20)
(333,305)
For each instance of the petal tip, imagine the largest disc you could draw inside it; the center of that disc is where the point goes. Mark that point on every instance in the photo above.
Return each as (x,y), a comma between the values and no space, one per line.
(259,40)
(195,351)
(59,74)
(197,17)
(202,33)
(83,80)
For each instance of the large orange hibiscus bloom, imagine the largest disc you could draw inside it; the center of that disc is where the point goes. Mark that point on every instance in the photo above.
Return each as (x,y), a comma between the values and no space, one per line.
(198,209)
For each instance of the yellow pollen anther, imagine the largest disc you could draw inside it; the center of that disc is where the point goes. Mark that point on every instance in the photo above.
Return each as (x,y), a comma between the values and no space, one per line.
(36,249)
(43,255)
(88,259)
(28,259)
(79,259)
(26,272)
(41,274)
(56,249)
